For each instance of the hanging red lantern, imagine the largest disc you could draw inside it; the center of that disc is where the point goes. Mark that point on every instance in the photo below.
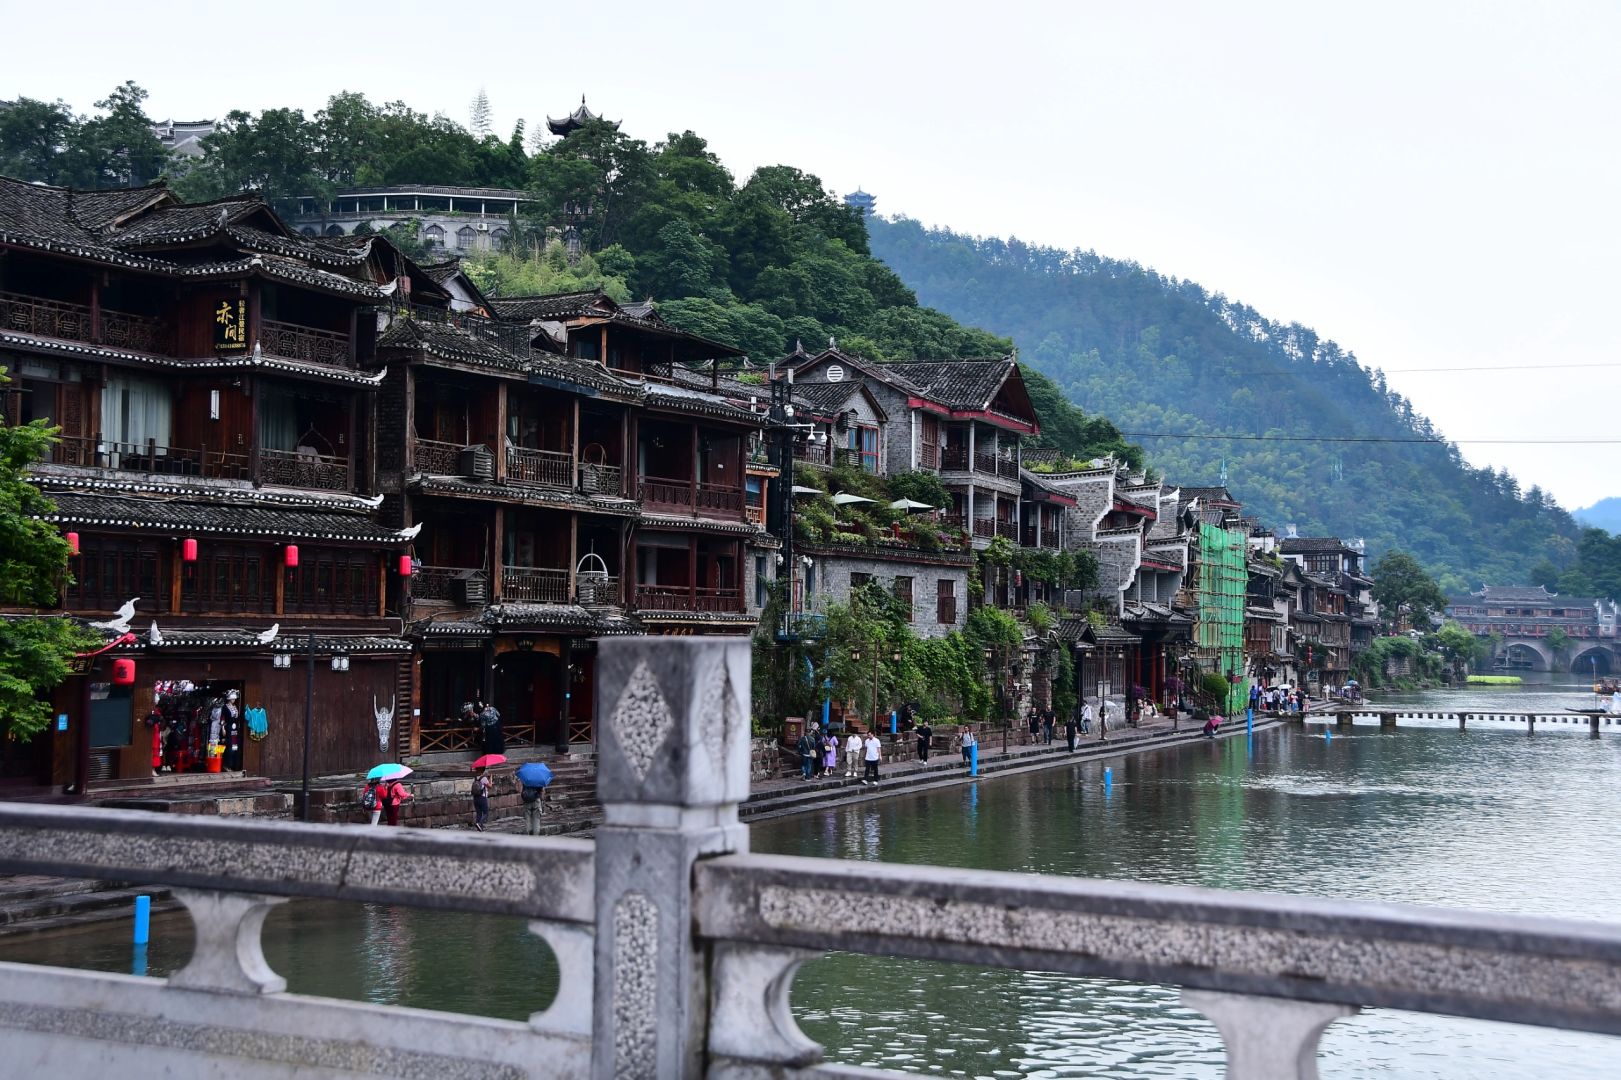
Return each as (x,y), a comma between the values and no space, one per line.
(123,672)
(405,566)
(73,542)
(290,556)
(188,550)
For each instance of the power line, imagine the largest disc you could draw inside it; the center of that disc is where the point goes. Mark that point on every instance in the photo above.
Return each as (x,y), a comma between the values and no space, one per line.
(1573,441)
(1315,371)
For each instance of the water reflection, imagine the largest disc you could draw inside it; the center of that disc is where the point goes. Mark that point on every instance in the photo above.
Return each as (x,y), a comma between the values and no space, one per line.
(1487,820)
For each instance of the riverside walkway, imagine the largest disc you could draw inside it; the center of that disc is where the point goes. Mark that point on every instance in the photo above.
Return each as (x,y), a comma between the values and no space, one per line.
(677,948)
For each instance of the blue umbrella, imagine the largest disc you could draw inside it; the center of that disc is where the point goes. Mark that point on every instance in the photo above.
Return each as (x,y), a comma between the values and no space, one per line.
(534,774)
(389,772)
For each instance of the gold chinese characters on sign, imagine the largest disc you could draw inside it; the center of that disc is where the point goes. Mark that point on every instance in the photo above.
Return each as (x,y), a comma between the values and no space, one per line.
(231,325)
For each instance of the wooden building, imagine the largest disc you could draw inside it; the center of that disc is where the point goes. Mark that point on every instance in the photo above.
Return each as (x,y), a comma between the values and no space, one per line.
(211,373)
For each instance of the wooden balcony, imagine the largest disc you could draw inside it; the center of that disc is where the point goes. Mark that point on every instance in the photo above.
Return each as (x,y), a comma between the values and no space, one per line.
(813,453)
(436,458)
(293,342)
(304,468)
(534,585)
(722,500)
(95,453)
(984,528)
(77,322)
(986,462)
(439,583)
(1008,529)
(543,468)
(685,598)
(601,479)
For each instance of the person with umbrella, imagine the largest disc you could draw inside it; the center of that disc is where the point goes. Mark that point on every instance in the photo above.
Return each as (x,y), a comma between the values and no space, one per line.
(533,776)
(481,788)
(376,795)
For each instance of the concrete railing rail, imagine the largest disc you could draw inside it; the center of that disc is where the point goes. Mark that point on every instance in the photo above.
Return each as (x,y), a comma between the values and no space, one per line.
(677,949)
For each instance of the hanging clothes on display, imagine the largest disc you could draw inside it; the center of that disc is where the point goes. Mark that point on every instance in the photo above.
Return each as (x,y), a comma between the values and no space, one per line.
(234,732)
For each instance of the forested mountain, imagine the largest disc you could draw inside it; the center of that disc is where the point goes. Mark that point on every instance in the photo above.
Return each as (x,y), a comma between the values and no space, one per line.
(1604,514)
(1155,354)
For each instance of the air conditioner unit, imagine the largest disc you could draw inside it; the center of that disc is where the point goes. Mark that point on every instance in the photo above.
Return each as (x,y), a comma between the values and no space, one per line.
(469,591)
(476,463)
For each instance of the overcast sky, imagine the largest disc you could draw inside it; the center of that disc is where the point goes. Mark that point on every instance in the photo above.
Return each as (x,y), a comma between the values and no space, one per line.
(1431,185)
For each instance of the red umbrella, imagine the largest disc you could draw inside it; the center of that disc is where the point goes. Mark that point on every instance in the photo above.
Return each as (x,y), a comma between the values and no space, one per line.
(489,759)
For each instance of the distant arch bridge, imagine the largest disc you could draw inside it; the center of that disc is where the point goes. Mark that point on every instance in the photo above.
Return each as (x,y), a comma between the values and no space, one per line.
(1580,657)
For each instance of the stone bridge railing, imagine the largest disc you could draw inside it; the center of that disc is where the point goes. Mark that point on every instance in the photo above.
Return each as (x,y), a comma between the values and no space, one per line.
(677,949)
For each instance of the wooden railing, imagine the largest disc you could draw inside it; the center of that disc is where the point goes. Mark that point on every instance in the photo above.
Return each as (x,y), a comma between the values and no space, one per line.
(304,468)
(1006,467)
(148,457)
(594,590)
(704,498)
(76,322)
(547,468)
(534,585)
(954,459)
(1009,529)
(812,453)
(601,479)
(306,343)
(683,598)
(436,458)
(985,528)
(438,582)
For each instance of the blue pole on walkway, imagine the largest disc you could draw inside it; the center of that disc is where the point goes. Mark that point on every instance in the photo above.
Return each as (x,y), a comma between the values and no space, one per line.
(143,919)
(892,721)
(973,760)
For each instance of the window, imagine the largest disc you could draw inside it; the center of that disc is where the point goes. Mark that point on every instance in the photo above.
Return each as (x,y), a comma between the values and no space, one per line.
(945,604)
(759,581)
(466,238)
(134,412)
(903,593)
(433,236)
(498,239)
(835,373)
(858,579)
(864,441)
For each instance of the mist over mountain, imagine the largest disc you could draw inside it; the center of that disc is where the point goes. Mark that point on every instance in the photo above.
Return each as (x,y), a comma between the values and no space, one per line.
(1604,514)
(1157,356)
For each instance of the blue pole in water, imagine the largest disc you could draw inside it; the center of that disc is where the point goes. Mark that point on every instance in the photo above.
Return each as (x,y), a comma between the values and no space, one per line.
(1108,780)
(892,721)
(143,919)
(1328,736)
(1249,721)
(973,760)
(137,963)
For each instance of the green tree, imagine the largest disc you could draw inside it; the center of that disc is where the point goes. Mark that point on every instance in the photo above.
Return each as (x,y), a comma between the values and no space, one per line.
(117,148)
(35,137)
(273,154)
(1404,592)
(34,651)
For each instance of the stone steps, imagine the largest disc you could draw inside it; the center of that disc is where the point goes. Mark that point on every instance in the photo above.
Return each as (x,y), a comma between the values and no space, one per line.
(74,903)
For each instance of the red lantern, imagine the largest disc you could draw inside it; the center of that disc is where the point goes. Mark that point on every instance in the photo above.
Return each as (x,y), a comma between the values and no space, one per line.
(123,673)
(290,556)
(188,550)
(405,566)
(73,542)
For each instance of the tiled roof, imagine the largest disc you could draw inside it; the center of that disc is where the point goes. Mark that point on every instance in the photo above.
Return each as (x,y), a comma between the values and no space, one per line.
(215,519)
(687,400)
(824,397)
(1302,545)
(1207,494)
(956,384)
(526,494)
(1521,594)
(554,307)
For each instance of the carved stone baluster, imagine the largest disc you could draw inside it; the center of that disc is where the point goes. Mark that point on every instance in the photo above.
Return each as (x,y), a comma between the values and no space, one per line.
(227,956)
(673,764)
(1267,1038)
(574,946)
(750,1019)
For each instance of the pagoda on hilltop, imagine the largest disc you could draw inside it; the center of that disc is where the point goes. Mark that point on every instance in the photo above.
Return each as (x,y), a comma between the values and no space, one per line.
(576,120)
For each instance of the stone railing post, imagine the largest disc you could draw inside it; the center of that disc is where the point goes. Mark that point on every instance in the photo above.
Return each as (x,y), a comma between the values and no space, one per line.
(672,766)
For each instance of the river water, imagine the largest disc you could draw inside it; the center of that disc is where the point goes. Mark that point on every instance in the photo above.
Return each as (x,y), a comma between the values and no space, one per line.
(1486,819)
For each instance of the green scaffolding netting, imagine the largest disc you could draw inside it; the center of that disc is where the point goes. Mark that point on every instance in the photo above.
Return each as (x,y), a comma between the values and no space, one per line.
(1223,582)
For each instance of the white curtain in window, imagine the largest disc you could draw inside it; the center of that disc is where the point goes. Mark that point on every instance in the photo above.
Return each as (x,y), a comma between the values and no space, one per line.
(135,410)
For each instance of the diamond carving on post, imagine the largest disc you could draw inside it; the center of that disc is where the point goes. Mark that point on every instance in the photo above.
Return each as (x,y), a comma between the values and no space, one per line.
(717,712)
(641,720)
(635,987)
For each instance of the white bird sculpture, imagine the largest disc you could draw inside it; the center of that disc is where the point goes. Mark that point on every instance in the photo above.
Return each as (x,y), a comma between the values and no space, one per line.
(154,636)
(270,635)
(411,533)
(119,623)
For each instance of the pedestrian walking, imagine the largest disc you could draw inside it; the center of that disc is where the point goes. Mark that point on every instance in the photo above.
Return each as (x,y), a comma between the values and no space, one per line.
(924,734)
(371,799)
(1087,716)
(830,754)
(393,795)
(481,798)
(1048,722)
(1103,719)
(534,804)
(968,742)
(1033,721)
(852,752)
(871,750)
(1069,731)
(807,754)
